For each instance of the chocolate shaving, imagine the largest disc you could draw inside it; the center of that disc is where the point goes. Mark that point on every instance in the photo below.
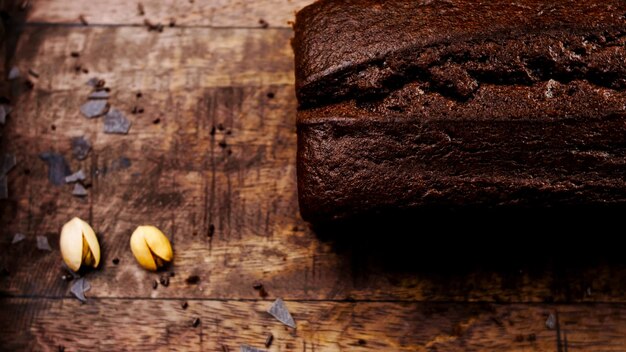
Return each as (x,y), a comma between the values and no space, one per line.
(195,322)
(279,311)
(94,108)
(193,280)
(184,305)
(83,20)
(75,177)
(99,94)
(263,23)
(57,167)
(115,122)
(43,244)
(33,73)
(158,27)
(269,340)
(164,280)
(14,73)
(79,288)
(246,348)
(80,148)
(18,237)
(74,54)
(155,284)
(79,190)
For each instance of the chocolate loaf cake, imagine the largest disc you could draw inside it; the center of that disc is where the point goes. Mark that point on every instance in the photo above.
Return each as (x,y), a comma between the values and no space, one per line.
(407,104)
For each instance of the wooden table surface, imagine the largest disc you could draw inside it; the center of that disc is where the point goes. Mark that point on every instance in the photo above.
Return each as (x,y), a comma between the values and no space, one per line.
(351,291)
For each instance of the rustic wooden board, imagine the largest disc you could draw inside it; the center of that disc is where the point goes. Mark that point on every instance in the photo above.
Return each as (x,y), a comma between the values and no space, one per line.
(181,180)
(217,13)
(156,324)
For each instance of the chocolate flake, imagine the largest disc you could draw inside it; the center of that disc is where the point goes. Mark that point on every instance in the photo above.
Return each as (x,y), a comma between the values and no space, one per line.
(195,322)
(83,20)
(155,284)
(257,286)
(279,311)
(115,122)
(263,23)
(268,340)
(172,22)
(94,108)
(99,94)
(14,73)
(270,95)
(193,279)
(75,177)
(116,261)
(5,110)
(79,190)
(43,244)
(211,230)
(79,288)
(551,322)
(246,348)
(138,95)
(18,237)
(156,121)
(80,147)
(33,73)
(29,84)
(74,54)
(164,280)
(184,305)
(158,27)
(57,167)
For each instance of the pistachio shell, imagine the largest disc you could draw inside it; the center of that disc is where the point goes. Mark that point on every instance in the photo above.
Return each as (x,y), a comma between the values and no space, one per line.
(74,234)
(150,247)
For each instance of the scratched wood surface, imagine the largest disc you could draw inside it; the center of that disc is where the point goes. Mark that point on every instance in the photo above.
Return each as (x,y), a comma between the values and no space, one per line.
(215,69)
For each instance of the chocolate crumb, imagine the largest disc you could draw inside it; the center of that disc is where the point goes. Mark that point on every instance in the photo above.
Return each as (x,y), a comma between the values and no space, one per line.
(268,340)
(362,342)
(211,230)
(263,23)
(100,83)
(116,261)
(229,132)
(270,95)
(33,73)
(195,322)
(75,54)
(85,71)
(212,133)
(257,286)
(83,20)
(172,22)
(155,284)
(193,280)
(172,274)
(184,305)
(220,127)
(53,127)
(165,280)
(29,84)
(138,95)
(222,144)
(140,9)
(156,121)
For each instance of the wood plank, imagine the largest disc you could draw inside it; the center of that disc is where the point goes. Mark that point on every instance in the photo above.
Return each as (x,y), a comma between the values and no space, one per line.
(181,180)
(149,325)
(221,13)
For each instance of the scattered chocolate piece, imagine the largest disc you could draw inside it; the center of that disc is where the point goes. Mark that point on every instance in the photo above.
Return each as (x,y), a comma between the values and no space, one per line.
(211,230)
(14,73)
(245,348)
(94,108)
(100,83)
(140,9)
(33,73)
(153,27)
(279,311)
(57,167)
(137,110)
(53,127)
(222,144)
(29,84)
(164,280)
(79,190)
(115,122)
(270,95)
(83,20)
(84,70)
(172,22)
(74,54)
(172,274)
(551,322)
(212,133)
(75,177)
(99,94)
(263,23)
(268,340)
(93,81)
(155,284)
(138,95)
(156,121)
(195,322)
(220,127)
(116,261)
(80,148)
(184,305)
(18,237)
(362,342)
(257,286)
(43,244)
(5,110)
(193,279)
(79,288)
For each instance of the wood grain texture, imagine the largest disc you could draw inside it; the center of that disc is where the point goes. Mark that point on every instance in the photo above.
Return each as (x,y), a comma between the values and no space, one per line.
(155,324)
(181,180)
(216,13)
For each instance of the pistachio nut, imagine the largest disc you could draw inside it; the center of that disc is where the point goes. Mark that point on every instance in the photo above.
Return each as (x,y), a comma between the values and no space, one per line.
(79,245)
(150,247)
